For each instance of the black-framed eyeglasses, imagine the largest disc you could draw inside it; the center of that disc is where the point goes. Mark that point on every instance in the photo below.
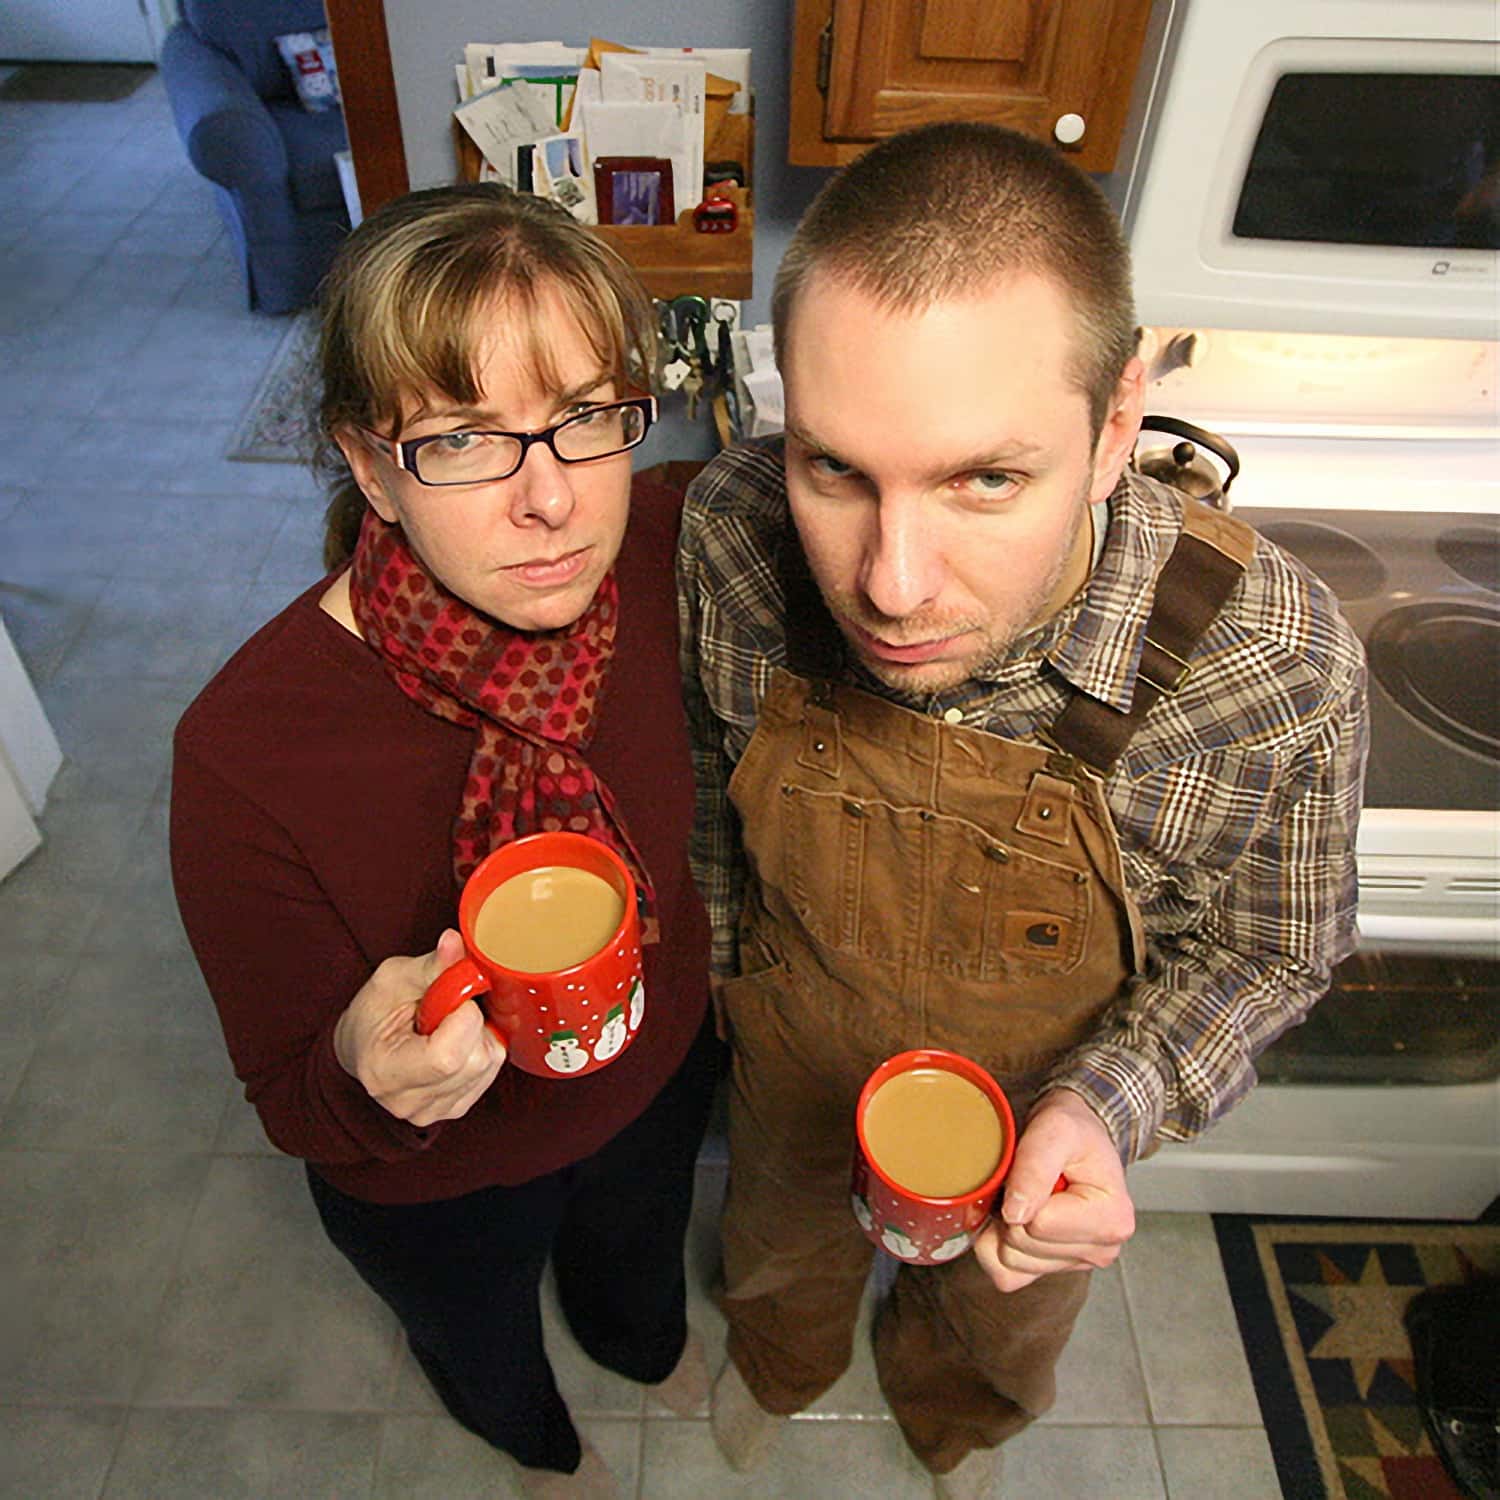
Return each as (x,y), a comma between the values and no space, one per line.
(482,457)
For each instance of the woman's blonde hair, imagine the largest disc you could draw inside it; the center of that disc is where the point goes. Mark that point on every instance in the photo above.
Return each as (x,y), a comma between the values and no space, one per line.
(947,211)
(404,310)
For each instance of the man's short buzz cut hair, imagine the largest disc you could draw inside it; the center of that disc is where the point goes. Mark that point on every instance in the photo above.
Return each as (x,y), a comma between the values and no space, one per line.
(948,210)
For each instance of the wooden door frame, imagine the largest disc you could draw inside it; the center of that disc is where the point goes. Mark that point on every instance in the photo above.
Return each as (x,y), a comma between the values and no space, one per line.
(363,49)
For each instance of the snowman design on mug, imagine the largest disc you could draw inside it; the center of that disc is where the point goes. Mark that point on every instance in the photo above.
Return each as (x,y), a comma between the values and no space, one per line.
(564,1052)
(899,1243)
(612,1035)
(955,1244)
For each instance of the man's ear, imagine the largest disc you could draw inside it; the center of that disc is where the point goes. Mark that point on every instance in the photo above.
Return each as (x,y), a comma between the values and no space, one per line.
(1122,426)
(367,466)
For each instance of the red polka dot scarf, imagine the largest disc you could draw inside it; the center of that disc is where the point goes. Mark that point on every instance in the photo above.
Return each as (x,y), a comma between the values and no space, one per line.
(530,696)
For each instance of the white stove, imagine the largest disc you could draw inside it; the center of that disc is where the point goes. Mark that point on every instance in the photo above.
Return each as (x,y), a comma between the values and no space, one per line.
(1377,462)
(1407,533)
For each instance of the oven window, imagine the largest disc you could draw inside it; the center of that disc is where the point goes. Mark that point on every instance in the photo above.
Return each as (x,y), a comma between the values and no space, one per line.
(1376,159)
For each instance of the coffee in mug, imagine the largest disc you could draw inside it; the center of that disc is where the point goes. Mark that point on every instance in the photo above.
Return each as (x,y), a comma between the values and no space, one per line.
(552,955)
(933,1132)
(547,919)
(933,1140)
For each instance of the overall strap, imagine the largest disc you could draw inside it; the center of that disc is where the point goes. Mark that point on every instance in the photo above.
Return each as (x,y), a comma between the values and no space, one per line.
(1210,557)
(814,647)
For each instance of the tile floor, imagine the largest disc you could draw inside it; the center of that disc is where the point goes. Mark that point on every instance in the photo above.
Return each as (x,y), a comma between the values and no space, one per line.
(171,1321)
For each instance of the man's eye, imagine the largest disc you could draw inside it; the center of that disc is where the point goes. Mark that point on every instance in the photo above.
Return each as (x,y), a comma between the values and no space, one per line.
(990,484)
(829,467)
(457,442)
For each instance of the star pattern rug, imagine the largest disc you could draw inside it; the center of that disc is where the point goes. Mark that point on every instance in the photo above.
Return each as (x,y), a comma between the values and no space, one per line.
(1320,1307)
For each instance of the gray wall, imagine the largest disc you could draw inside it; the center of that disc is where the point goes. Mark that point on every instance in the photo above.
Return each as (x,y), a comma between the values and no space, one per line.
(427,39)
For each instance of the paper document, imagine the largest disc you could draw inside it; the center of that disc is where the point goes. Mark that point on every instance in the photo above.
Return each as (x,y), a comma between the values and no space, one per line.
(732,63)
(756,373)
(760,347)
(562,174)
(489,62)
(502,118)
(677,81)
(620,128)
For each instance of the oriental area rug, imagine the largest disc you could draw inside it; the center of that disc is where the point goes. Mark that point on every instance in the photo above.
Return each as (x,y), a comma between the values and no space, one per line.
(1321,1305)
(277,423)
(73,83)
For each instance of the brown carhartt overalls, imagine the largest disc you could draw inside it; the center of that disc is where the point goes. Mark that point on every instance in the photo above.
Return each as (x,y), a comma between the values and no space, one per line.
(913,884)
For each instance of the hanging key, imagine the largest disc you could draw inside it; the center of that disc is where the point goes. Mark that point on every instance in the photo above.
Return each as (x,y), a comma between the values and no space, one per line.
(690,315)
(669,352)
(692,387)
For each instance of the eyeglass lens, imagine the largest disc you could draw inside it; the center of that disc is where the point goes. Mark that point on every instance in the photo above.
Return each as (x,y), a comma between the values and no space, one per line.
(473,457)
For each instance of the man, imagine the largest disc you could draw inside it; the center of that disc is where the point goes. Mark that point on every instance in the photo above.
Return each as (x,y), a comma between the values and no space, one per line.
(1001,748)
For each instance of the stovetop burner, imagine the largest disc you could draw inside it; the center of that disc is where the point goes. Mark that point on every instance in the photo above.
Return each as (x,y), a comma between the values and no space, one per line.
(1473,552)
(1421,590)
(1347,566)
(1440,662)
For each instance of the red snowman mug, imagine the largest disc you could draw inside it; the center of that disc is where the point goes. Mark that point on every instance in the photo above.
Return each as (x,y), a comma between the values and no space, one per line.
(934,1140)
(552,956)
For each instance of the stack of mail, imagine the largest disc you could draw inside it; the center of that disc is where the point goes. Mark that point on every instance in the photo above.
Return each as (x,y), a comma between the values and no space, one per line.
(541,113)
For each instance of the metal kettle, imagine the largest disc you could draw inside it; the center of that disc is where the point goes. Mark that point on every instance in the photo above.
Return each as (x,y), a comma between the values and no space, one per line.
(1183,466)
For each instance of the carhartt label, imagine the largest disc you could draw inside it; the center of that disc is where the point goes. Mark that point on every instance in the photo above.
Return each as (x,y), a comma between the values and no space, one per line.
(1037,932)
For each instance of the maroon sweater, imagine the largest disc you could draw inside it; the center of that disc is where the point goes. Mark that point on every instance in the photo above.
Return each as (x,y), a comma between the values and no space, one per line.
(312,809)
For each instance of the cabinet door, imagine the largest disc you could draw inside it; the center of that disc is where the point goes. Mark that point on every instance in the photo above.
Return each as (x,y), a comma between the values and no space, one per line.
(871,68)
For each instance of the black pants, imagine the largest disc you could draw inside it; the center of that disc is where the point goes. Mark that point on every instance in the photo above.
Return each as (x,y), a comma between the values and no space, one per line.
(463,1275)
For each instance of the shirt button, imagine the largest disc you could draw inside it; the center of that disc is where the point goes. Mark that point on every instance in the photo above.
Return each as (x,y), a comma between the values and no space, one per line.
(953,715)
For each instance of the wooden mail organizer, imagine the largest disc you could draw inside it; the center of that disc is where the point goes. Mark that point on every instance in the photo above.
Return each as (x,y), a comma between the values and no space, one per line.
(675,260)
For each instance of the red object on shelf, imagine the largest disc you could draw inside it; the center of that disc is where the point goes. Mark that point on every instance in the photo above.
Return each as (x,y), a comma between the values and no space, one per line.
(716,215)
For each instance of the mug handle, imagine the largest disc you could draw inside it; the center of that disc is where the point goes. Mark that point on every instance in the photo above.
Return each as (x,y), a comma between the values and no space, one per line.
(460,981)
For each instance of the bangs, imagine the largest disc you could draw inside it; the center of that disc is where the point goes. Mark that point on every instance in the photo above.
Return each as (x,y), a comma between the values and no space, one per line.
(438,323)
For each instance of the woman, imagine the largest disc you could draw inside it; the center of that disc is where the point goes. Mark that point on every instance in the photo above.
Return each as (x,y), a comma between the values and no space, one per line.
(494,654)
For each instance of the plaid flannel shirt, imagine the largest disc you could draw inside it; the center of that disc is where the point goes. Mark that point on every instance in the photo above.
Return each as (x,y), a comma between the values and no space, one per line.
(1237,802)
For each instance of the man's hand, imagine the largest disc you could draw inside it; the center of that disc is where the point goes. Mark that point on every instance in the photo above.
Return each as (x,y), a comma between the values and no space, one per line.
(1074,1230)
(421,1079)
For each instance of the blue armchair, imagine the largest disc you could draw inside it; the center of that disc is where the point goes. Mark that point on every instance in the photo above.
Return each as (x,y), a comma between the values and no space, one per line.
(272,162)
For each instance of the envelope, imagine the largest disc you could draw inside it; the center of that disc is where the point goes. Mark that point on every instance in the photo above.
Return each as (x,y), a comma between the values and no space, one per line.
(718,93)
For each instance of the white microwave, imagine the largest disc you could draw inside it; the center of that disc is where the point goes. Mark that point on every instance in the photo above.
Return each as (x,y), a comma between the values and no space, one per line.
(1319,166)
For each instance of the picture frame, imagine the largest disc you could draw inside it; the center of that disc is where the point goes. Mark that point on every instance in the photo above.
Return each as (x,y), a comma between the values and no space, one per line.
(634,190)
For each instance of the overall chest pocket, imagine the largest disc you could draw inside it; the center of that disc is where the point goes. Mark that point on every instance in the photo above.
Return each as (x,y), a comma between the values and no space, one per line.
(906,885)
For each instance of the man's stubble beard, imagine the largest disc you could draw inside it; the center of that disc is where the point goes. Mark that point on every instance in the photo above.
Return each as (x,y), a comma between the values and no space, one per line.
(916,684)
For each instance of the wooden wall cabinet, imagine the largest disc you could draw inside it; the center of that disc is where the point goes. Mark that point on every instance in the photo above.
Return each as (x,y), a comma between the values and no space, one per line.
(1060,70)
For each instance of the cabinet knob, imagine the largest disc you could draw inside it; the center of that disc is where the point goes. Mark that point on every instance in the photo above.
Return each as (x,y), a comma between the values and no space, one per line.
(1069,129)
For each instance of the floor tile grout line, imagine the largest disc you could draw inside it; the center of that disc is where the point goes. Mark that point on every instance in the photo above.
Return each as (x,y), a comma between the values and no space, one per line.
(158,1320)
(640,1457)
(377,1457)
(114,1454)
(1135,1343)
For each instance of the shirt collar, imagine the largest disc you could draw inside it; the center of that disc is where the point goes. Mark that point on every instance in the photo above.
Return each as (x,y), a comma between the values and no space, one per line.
(1098,644)
(1095,640)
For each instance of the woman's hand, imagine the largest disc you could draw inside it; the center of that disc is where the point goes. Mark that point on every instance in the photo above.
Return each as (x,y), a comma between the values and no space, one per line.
(1083,1227)
(420,1079)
